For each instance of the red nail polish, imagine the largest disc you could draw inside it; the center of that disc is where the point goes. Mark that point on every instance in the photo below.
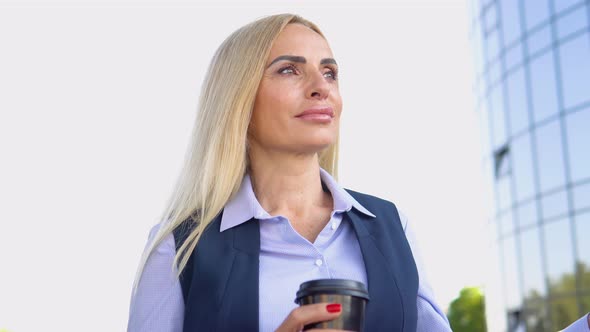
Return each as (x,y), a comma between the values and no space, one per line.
(334,307)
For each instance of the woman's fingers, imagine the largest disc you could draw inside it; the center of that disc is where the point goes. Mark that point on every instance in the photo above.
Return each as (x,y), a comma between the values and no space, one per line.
(309,313)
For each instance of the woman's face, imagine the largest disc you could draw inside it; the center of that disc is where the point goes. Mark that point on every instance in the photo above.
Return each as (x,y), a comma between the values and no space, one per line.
(298,105)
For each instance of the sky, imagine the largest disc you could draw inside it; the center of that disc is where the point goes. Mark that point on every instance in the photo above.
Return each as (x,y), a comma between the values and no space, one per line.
(97,101)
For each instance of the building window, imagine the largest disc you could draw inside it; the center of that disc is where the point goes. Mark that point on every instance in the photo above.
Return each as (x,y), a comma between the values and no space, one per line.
(575,70)
(513,56)
(554,204)
(539,40)
(517,100)
(572,22)
(561,5)
(512,293)
(522,167)
(582,231)
(536,11)
(533,280)
(506,223)
(581,194)
(550,156)
(544,89)
(559,255)
(564,311)
(527,214)
(510,20)
(578,138)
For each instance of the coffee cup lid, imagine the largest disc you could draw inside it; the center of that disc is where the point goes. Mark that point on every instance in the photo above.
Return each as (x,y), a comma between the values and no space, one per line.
(332,286)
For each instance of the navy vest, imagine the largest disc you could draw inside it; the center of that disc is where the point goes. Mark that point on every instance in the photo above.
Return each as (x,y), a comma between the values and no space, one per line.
(220,281)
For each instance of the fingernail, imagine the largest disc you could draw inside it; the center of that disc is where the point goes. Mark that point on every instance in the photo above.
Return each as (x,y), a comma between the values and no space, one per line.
(334,307)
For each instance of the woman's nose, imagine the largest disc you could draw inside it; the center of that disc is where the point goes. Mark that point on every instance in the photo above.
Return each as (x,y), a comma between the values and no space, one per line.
(318,87)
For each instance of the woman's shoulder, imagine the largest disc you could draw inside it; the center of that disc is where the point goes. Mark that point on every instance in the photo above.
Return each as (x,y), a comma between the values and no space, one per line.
(166,245)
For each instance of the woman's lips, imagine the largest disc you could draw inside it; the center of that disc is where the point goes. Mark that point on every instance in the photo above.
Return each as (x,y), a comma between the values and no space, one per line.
(321,115)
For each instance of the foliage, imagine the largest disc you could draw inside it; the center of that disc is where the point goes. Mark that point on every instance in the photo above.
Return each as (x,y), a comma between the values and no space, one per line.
(562,308)
(467,312)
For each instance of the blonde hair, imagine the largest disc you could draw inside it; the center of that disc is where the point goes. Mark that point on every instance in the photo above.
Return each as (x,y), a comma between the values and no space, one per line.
(216,159)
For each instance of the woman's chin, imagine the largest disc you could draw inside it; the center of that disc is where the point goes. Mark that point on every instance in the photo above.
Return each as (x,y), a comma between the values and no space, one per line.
(315,147)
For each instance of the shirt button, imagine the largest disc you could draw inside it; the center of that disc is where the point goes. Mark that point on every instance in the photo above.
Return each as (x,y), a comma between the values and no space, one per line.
(333,225)
(319,262)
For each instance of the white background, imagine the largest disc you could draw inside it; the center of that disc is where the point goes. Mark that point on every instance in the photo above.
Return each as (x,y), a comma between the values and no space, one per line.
(97,101)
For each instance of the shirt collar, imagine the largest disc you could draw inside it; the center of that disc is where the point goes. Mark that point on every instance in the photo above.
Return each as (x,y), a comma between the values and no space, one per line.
(244,206)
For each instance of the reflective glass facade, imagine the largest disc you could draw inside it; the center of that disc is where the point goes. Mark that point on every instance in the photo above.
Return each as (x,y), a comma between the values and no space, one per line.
(532,64)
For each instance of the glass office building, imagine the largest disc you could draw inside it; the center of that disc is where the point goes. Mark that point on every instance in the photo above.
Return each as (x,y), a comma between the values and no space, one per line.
(532,60)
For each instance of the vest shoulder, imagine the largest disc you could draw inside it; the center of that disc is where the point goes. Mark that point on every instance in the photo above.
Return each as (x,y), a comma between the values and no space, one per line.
(370,201)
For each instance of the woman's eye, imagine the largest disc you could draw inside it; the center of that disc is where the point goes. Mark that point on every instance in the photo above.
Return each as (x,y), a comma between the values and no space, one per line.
(287,70)
(331,74)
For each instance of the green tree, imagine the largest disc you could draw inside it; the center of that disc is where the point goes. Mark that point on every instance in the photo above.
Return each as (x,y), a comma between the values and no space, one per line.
(467,312)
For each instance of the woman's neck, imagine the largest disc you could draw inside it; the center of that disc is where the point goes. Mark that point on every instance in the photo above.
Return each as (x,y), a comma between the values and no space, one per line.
(288,185)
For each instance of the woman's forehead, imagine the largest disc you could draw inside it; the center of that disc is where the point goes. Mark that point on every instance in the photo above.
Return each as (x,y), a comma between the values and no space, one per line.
(297,39)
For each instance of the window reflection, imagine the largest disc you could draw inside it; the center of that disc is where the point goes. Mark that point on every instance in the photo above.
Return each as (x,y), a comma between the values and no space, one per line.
(575,70)
(506,223)
(522,166)
(503,194)
(539,40)
(550,156)
(572,22)
(478,47)
(564,311)
(536,317)
(578,137)
(511,286)
(554,204)
(527,214)
(490,17)
(543,87)
(559,254)
(536,11)
(582,231)
(513,56)
(497,117)
(585,301)
(565,4)
(518,110)
(581,194)
(533,281)
(494,73)
(493,45)
(481,87)
(510,20)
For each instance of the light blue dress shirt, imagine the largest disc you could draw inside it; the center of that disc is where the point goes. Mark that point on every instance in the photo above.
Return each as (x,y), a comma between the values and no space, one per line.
(286,260)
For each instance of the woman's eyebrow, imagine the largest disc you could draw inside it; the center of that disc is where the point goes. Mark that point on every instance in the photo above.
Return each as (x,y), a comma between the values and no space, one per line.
(300,59)
(293,58)
(328,61)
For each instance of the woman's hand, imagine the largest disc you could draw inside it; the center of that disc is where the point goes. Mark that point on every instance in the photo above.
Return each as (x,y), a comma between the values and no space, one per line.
(310,313)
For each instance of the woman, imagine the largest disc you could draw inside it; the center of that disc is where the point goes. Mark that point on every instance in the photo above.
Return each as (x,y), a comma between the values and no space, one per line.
(257,211)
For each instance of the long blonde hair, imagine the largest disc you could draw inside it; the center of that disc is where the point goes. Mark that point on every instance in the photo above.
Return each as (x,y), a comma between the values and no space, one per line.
(216,159)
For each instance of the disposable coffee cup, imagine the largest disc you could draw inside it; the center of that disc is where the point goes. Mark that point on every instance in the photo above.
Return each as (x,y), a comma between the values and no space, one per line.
(352,295)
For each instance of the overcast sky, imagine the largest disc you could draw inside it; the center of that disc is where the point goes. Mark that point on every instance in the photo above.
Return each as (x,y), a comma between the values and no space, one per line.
(97,101)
